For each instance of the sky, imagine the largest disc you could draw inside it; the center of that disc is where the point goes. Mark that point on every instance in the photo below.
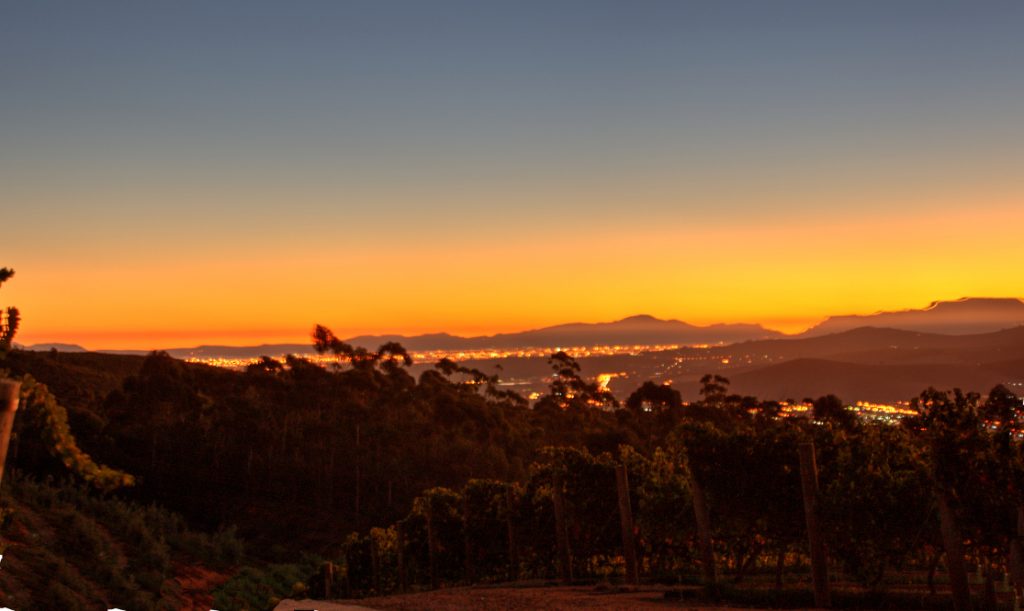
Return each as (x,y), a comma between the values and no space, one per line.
(176,173)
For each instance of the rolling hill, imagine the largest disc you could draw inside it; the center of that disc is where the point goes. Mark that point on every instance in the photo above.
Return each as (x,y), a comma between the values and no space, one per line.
(964,316)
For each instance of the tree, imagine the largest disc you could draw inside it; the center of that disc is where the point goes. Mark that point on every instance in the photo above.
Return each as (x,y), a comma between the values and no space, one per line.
(655,398)
(973,461)
(568,389)
(830,408)
(875,500)
(713,389)
(52,419)
(656,409)
(8,319)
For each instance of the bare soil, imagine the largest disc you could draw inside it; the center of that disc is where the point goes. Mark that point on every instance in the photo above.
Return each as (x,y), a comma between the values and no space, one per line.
(516,598)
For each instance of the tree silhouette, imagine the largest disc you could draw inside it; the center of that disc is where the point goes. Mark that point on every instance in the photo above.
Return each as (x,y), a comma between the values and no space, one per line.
(656,398)
(8,319)
(830,408)
(52,419)
(713,389)
(568,389)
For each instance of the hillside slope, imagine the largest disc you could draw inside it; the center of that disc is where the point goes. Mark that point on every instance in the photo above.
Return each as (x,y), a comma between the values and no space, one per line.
(64,548)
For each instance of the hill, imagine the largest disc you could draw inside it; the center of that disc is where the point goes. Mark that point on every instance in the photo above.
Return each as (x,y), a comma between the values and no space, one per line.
(860,364)
(632,331)
(886,344)
(635,330)
(800,378)
(65,548)
(964,316)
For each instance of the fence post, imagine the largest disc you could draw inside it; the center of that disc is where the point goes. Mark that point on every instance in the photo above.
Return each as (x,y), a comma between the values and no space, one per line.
(626,518)
(400,553)
(561,530)
(470,565)
(513,551)
(347,584)
(1017,556)
(435,578)
(952,541)
(327,576)
(375,562)
(809,484)
(703,518)
(9,396)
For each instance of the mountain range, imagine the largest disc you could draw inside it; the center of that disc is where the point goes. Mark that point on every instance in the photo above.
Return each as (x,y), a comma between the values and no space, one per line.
(885,357)
(960,317)
(875,364)
(640,330)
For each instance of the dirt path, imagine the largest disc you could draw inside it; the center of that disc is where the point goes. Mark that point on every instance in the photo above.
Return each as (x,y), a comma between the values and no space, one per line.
(316,605)
(510,599)
(197,584)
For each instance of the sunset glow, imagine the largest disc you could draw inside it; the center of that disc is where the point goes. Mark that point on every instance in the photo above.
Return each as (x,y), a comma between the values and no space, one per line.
(859,265)
(379,189)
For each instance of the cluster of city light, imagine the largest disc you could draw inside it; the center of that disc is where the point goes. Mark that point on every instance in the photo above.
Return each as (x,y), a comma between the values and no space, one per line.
(790,410)
(882,411)
(433,356)
(603,379)
(227,363)
(879,412)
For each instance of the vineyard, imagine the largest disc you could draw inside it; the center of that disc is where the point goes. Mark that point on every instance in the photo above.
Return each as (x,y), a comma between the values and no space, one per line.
(724,500)
(371,481)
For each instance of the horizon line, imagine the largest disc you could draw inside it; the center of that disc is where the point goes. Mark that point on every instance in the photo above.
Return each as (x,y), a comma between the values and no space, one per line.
(411,335)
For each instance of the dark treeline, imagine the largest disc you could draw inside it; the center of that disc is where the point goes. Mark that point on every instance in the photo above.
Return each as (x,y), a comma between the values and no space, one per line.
(300,456)
(297,454)
(942,490)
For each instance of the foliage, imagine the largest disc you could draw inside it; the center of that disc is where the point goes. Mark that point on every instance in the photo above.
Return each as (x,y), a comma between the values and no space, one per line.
(973,457)
(9,318)
(52,417)
(52,421)
(315,453)
(69,548)
(876,498)
(262,588)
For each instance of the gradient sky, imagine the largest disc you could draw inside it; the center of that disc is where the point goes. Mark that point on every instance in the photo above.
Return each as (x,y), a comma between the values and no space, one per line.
(174,173)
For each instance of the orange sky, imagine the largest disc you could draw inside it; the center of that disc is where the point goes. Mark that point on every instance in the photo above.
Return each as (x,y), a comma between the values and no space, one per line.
(786,275)
(223,173)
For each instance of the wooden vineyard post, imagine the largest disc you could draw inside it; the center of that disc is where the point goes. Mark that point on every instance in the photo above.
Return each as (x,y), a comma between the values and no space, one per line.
(375,562)
(626,518)
(467,539)
(1017,557)
(347,584)
(703,518)
(809,484)
(359,477)
(327,576)
(10,391)
(435,578)
(953,542)
(403,579)
(561,530)
(513,551)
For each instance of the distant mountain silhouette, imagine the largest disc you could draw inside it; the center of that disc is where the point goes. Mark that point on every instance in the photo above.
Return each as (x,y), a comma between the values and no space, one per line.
(59,347)
(961,334)
(964,316)
(881,344)
(800,378)
(635,330)
(866,363)
(869,363)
